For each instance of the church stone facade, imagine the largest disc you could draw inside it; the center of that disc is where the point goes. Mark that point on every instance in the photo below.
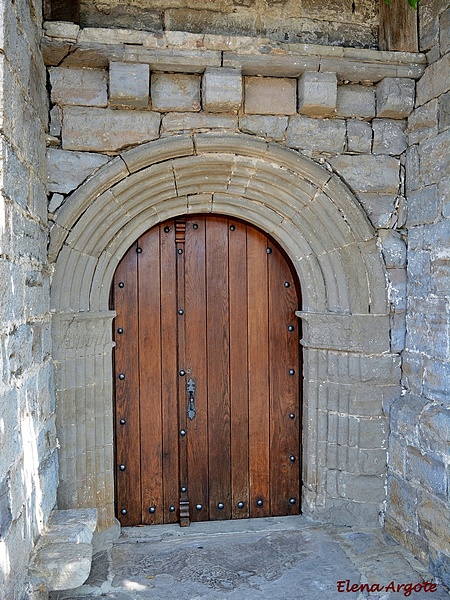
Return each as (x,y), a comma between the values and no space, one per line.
(288,116)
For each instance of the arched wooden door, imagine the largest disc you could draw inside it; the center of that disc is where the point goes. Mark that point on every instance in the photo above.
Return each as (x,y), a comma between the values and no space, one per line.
(207,375)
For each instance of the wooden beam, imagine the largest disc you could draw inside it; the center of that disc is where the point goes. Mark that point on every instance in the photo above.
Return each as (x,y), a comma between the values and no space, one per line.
(62,10)
(398,27)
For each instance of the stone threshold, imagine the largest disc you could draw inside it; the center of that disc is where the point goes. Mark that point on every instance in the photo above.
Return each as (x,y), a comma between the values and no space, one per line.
(66,44)
(62,557)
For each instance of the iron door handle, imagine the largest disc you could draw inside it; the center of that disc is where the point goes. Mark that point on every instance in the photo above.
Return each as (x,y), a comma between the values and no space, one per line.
(190,387)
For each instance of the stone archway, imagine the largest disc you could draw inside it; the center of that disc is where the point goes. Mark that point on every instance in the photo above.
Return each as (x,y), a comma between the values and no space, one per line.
(323,229)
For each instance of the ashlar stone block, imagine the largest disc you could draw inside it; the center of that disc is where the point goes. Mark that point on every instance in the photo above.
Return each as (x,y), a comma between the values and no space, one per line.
(270,96)
(359,137)
(395,97)
(389,137)
(222,90)
(106,130)
(317,94)
(129,84)
(175,92)
(79,87)
(67,170)
(316,135)
(355,101)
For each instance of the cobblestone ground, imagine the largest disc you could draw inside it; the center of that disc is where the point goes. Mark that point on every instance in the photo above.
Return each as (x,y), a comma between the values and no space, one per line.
(273,559)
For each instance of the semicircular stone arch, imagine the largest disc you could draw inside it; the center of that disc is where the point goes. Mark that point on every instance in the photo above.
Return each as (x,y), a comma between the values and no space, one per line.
(345,313)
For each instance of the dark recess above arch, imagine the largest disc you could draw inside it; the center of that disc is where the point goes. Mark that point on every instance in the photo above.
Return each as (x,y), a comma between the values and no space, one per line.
(62,10)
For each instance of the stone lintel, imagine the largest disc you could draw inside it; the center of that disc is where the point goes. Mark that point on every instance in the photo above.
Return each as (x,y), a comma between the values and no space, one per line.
(283,60)
(350,333)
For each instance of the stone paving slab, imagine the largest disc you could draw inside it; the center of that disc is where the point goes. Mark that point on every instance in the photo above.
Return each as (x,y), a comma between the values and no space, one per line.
(254,559)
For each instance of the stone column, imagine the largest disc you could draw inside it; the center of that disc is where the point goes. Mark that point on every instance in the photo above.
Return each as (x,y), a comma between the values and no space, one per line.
(83,371)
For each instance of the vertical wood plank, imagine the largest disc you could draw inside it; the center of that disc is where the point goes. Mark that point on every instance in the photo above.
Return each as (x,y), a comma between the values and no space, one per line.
(128,489)
(238,368)
(150,376)
(196,367)
(398,27)
(218,368)
(258,373)
(284,387)
(169,371)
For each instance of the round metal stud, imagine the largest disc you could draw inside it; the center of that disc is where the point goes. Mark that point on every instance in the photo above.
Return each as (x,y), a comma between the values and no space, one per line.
(292,458)
(291,328)
(152,510)
(181,311)
(232,227)
(166,229)
(240,505)
(293,501)
(182,373)
(120,330)
(292,416)
(220,505)
(269,250)
(287,284)
(180,250)
(182,433)
(122,467)
(259,503)
(291,372)
(122,421)
(183,490)
(172,508)
(121,376)
(139,250)
(121,284)
(195,226)
(199,507)
(123,511)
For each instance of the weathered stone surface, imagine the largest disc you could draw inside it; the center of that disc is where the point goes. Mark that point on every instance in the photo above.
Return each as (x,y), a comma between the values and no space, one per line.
(83,87)
(423,205)
(60,29)
(369,173)
(434,157)
(67,170)
(222,90)
(389,137)
(175,92)
(62,566)
(395,97)
(359,137)
(55,202)
(129,84)
(397,288)
(270,96)
(434,521)
(434,82)
(444,32)
(317,94)
(444,112)
(427,471)
(434,429)
(55,122)
(394,248)
(272,127)
(316,135)
(355,101)
(402,499)
(197,121)
(105,130)
(422,123)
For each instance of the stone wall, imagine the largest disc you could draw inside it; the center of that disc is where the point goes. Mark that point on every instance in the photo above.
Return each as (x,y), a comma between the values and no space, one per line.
(28,462)
(342,22)
(112,91)
(419,484)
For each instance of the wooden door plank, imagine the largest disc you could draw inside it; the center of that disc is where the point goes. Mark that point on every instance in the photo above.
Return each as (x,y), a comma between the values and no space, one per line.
(398,27)
(126,376)
(150,376)
(218,368)
(238,368)
(258,373)
(284,388)
(196,367)
(169,371)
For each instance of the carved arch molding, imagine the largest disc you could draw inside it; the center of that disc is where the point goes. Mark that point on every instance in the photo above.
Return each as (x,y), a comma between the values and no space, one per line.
(346,335)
